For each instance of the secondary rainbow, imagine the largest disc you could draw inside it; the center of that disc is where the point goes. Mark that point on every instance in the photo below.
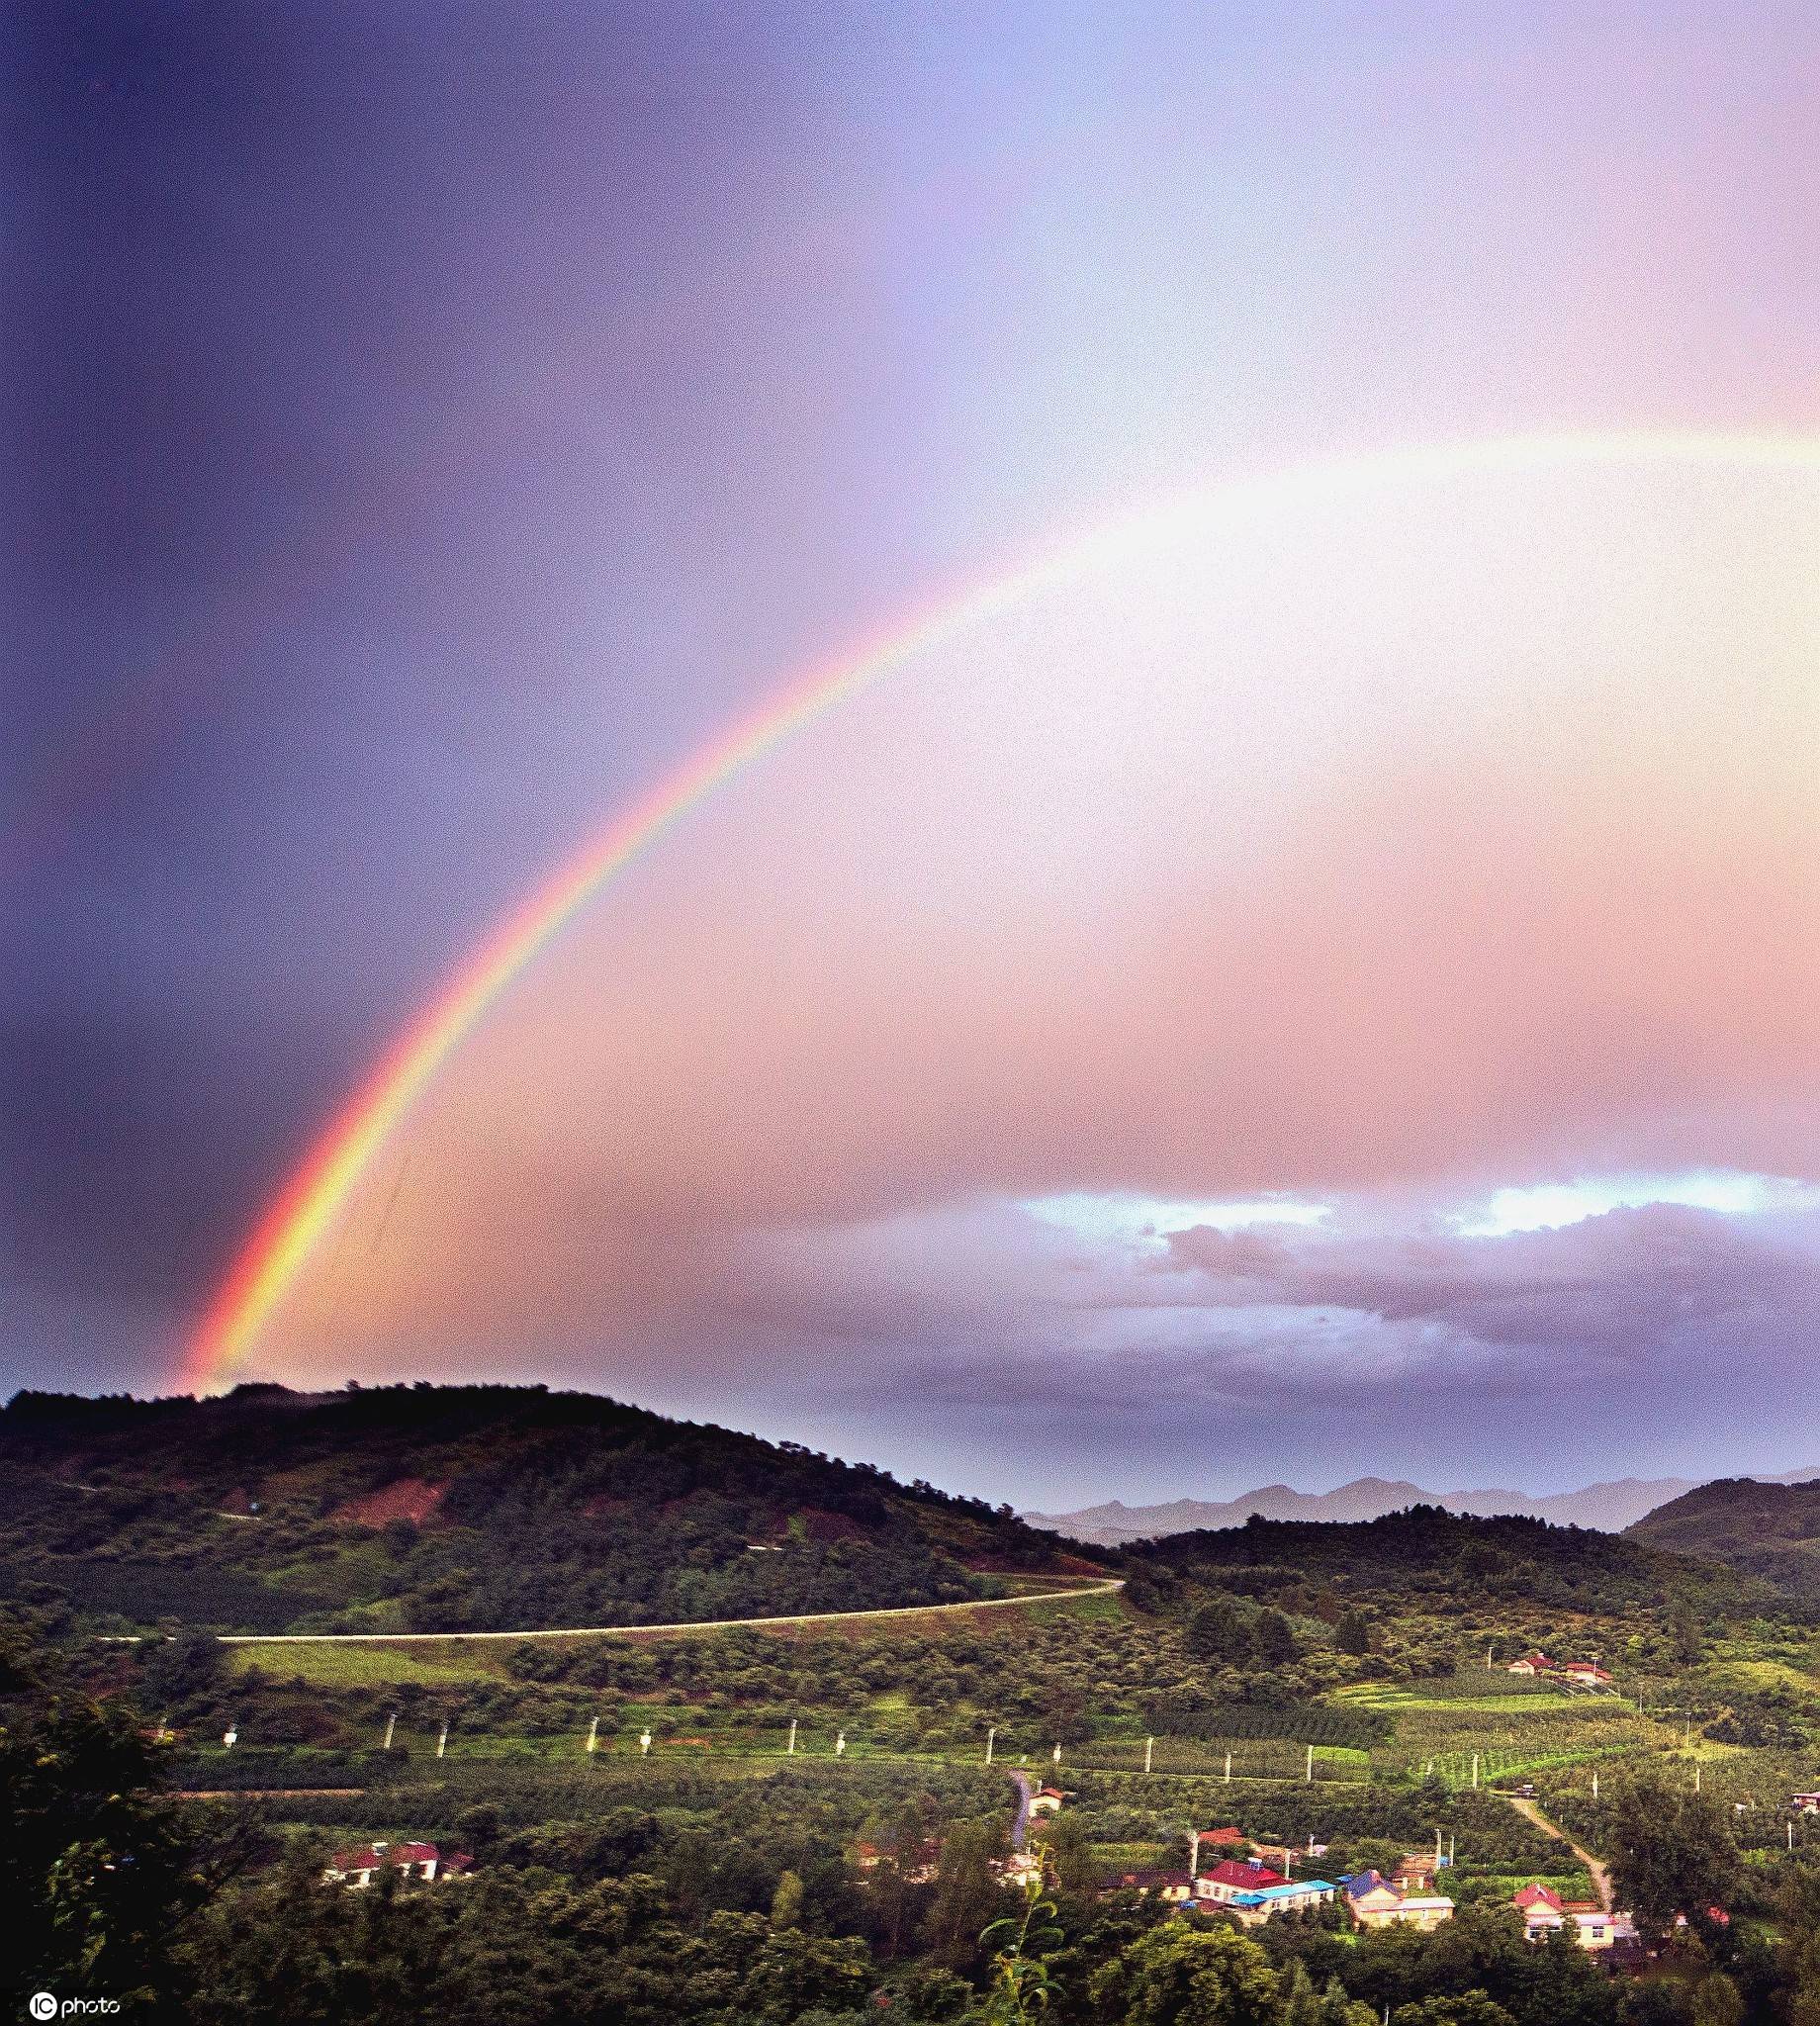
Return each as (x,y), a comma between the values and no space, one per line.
(278,1246)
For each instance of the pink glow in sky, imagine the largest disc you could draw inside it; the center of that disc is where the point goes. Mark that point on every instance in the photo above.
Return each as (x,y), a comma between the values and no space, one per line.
(1381,850)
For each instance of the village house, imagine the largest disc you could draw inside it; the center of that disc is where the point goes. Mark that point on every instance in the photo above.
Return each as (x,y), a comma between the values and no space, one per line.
(1592,1926)
(1531,1664)
(919,1862)
(1293,1896)
(1374,1901)
(1233,1877)
(1249,1888)
(1416,1870)
(423,1862)
(1173,1888)
(1805,1803)
(1585,1673)
(1047,1800)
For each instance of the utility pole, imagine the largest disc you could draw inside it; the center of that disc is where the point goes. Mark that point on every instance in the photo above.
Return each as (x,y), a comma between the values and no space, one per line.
(1308,1773)
(1194,1859)
(593,1736)
(1055,1756)
(840,1746)
(230,1735)
(1696,1779)
(789,1750)
(1149,1746)
(644,1744)
(1596,1782)
(391,1726)
(1475,1769)
(1228,1769)
(991,1736)
(442,1743)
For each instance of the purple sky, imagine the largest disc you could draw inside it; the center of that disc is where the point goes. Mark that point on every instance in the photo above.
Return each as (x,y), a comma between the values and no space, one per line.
(432,422)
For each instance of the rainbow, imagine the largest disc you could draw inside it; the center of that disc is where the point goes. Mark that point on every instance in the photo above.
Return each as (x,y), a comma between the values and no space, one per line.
(278,1246)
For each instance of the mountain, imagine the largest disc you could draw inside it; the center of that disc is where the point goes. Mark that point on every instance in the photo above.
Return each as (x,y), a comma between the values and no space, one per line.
(1607,1508)
(469,1508)
(1767,1527)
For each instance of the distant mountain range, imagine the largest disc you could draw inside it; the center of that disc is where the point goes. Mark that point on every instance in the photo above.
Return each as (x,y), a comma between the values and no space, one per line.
(1607,1508)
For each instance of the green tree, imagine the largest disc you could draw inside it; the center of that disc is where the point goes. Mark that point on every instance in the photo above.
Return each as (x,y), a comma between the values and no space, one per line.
(1684,1641)
(1273,1638)
(1184,1976)
(1353,1633)
(1469,2008)
(1337,2008)
(786,1902)
(98,1867)
(968,1895)
(1217,1632)
(1716,2001)
(1671,1852)
(1798,1961)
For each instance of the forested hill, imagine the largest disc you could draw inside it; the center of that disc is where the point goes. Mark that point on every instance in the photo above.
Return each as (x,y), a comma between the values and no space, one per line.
(1768,1531)
(471,1508)
(1450,1561)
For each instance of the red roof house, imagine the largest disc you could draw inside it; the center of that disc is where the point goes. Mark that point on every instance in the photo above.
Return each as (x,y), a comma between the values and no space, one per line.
(1233,1876)
(360,1867)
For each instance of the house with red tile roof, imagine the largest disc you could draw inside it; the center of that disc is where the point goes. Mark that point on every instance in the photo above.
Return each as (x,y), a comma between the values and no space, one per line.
(1232,1877)
(1531,1663)
(1593,1926)
(421,1862)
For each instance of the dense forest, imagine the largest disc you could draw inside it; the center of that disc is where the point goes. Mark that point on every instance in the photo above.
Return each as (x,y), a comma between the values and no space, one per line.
(426,1508)
(1768,1531)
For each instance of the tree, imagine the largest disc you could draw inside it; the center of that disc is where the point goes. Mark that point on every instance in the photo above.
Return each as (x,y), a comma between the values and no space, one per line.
(1274,1638)
(1469,2008)
(1217,1632)
(968,1895)
(786,1902)
(1799,1962)
(1353,1633)
(97,1867)
(1716,2001)
(1671,1852)
(1183,1976)
(1684,1641)
(1339,2010)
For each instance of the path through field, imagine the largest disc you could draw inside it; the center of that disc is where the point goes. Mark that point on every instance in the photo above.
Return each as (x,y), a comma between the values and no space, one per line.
(1601,1877)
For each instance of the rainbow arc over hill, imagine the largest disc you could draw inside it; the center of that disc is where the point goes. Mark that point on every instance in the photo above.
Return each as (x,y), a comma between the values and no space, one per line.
(278,1246)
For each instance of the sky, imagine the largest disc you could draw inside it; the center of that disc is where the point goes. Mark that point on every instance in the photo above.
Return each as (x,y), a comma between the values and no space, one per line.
(1322,982)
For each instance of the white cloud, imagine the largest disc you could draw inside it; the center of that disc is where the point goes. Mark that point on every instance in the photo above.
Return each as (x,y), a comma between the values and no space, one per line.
(1549,1206)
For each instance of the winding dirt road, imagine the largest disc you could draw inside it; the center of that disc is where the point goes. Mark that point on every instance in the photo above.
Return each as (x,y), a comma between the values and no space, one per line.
(1601,1877)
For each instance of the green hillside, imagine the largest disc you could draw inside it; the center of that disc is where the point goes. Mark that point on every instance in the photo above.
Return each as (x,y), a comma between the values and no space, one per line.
(1772,1532)
(433,1508)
